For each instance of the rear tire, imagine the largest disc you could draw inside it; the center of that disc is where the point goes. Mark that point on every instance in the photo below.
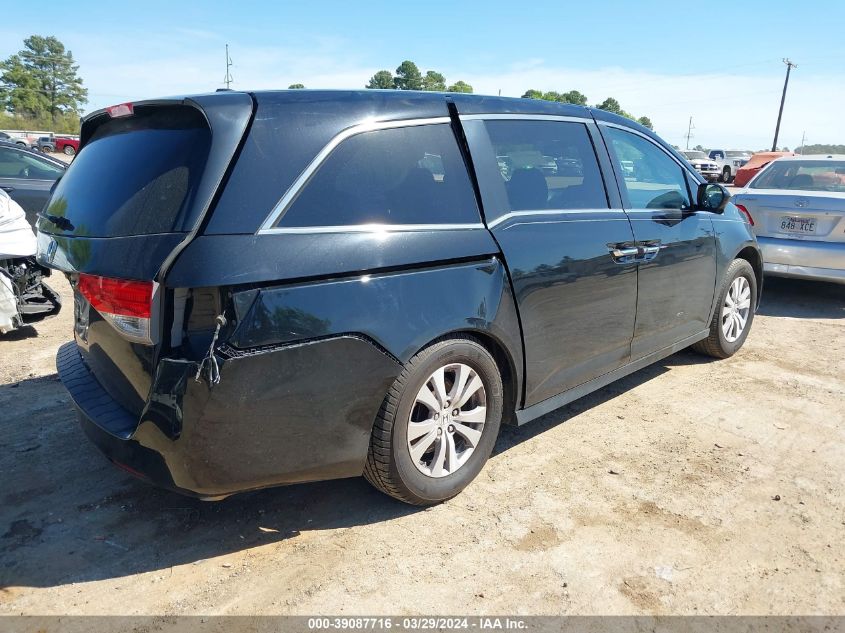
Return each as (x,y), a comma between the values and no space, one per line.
(737,301)
(449,441)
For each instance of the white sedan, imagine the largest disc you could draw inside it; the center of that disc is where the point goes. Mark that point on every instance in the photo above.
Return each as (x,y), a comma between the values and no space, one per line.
(797,208)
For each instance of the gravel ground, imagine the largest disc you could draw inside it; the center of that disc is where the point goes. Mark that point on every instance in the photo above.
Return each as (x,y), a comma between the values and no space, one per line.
(692,486)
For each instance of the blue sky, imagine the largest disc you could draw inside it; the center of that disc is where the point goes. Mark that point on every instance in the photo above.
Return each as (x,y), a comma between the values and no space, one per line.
(667,60)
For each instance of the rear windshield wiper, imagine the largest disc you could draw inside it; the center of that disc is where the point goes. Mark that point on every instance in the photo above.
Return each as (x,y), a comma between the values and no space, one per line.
(63,223)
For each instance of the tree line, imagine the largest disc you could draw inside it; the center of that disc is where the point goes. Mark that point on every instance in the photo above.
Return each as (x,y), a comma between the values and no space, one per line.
(40,87)
(574,97)
(409,77)
(821,148)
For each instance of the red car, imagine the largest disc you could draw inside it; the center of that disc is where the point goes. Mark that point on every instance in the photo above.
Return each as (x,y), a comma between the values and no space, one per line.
(759,160)
(67,145)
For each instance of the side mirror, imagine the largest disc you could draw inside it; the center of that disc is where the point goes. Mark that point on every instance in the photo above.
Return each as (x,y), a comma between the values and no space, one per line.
(712,197)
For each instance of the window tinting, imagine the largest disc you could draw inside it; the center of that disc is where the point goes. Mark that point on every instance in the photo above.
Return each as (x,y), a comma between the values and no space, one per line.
(408,175)
(136,175)
(652,178)
(547,165)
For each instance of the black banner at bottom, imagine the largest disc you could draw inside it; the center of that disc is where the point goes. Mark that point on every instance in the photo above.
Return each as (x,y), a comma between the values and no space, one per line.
(306,624)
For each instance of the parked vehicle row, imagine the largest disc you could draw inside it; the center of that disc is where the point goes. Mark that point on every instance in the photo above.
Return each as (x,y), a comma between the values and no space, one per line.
(277,287)
(63,144)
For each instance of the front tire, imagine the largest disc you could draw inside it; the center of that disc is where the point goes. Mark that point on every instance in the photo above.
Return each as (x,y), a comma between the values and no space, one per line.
(69,151)
(734,312)
(726,175)
(438,423)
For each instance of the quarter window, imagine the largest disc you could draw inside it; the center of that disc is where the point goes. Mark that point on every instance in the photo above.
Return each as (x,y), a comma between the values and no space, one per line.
(547,165)
(408,175)
(652,178)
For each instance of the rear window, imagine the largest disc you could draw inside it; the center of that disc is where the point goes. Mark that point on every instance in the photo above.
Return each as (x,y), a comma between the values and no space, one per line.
(804,175)
(406,175)
(136,175)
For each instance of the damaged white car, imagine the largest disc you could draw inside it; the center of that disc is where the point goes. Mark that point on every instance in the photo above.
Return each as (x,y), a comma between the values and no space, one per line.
(24,297)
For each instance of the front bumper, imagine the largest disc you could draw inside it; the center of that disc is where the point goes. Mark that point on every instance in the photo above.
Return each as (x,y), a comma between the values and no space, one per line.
(284,415)
(822,261)
(709,174)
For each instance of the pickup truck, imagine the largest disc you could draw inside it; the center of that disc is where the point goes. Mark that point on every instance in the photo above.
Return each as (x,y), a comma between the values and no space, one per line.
(67,145)
(729,161)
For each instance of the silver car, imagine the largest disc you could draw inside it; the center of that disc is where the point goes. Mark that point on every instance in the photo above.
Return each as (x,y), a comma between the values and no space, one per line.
(797,207)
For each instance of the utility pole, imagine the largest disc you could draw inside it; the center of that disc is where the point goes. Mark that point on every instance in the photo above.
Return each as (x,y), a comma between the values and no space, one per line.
(689,133)
(803,137)
(789,66)
(228,78)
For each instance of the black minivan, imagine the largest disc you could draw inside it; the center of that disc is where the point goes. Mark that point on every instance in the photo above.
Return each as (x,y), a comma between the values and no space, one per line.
(289,286)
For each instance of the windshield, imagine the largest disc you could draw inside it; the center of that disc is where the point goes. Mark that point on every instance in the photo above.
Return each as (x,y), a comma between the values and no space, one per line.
(735,154)
(692,155)
(136,175)
(803,175)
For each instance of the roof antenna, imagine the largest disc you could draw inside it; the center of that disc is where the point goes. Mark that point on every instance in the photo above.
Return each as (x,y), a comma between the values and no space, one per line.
(228,78)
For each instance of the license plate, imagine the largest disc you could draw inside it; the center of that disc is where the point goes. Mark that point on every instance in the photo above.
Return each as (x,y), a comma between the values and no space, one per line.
(802,226)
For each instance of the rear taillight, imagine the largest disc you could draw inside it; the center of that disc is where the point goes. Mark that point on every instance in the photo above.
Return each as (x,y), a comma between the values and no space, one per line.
(125,304)
(747,215)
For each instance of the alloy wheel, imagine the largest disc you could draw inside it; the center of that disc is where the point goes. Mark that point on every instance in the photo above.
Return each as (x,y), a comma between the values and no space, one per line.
(447,420)
(736,308)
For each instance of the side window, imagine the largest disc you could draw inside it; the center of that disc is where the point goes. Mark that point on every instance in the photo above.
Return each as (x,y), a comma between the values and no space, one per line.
(11,165)
(15,164)
(547,165)
(652,178)
(408,175)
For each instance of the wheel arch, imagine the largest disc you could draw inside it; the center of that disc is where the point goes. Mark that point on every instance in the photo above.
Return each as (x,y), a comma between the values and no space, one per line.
(505,361)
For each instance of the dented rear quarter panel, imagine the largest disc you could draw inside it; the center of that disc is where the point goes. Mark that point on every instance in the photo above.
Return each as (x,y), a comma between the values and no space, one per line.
(304,371)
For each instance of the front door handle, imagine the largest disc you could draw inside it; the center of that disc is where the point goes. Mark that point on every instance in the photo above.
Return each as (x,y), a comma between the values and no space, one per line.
(7,188)
(625,252)
(622,254)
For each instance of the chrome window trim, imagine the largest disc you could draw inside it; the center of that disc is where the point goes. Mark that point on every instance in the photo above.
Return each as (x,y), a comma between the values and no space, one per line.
(547,212)
(369,228)
(526,117)
(301,181)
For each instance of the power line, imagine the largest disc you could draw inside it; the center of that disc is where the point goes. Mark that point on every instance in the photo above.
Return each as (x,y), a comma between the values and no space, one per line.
(789,66)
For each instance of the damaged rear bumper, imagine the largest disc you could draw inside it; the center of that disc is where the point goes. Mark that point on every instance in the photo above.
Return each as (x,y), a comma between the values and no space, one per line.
(293,413)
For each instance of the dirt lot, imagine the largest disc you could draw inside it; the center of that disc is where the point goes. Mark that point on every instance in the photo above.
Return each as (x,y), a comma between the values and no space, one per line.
(692,486)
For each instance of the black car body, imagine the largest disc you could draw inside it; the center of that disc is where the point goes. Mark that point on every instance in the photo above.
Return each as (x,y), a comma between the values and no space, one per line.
(27,176)
(300,249)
